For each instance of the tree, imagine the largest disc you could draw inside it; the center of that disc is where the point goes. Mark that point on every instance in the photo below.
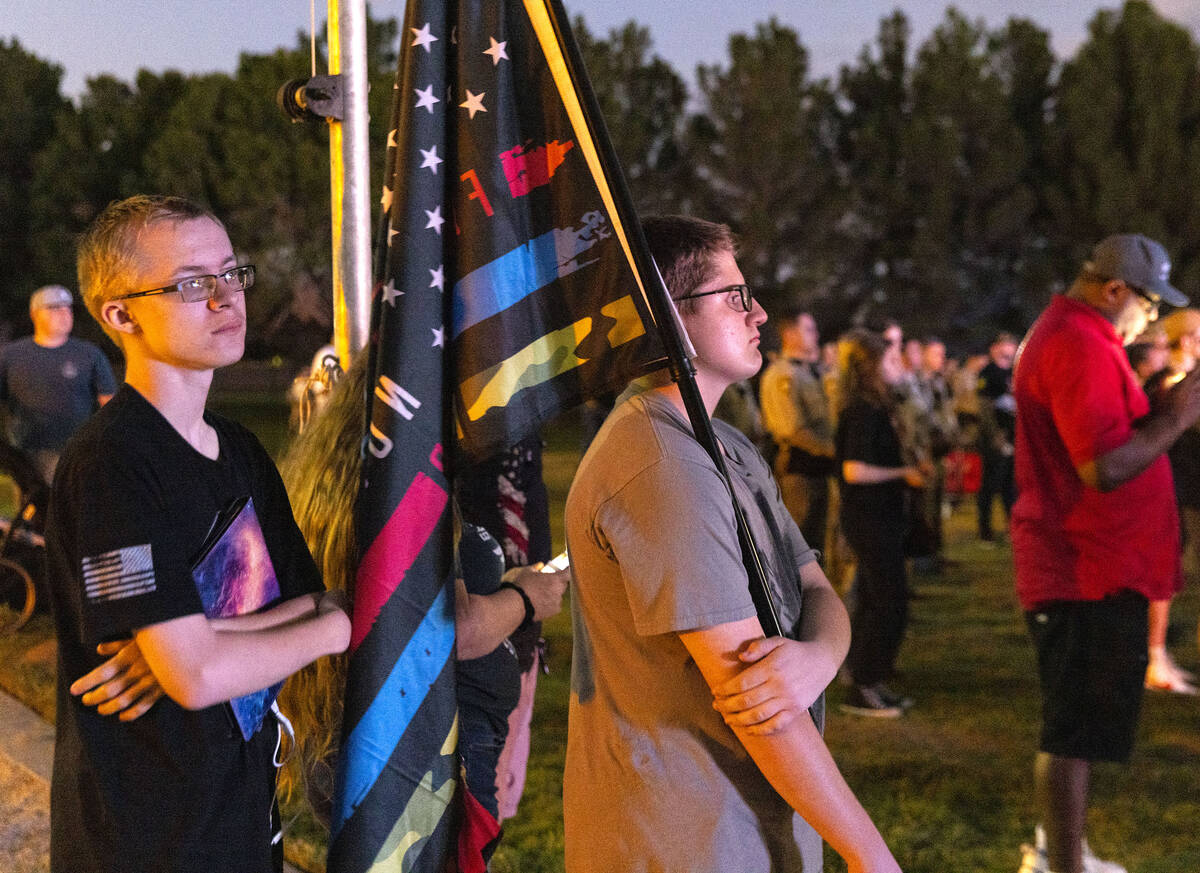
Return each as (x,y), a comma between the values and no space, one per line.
(29,93)
(96,155)
(642,100)
(764,151)
(873,132)
(1127,139)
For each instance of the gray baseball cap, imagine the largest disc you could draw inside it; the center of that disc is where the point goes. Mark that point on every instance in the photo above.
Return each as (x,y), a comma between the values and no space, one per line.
(1138,261)
(49,296)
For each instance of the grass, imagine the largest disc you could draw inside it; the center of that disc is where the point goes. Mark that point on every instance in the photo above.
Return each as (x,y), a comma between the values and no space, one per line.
(949,785)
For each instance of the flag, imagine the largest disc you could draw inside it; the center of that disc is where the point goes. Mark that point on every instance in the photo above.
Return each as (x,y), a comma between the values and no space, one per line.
(507,292)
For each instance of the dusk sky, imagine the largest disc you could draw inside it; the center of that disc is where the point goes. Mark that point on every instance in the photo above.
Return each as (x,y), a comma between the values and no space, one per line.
(206,36)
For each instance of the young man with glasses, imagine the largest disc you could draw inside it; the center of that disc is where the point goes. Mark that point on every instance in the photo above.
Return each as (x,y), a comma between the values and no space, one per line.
(137,491)
(1094,530)
(691,744)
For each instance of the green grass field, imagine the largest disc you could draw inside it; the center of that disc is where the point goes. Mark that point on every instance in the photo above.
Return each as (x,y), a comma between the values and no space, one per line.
(949,785)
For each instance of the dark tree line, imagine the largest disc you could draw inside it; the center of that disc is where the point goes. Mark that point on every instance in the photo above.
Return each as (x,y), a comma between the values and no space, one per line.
(953,185)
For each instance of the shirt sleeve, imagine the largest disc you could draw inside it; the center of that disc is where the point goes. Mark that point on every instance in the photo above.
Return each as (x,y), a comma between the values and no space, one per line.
(126,566)
(103,380)
(672,532)
(858,430)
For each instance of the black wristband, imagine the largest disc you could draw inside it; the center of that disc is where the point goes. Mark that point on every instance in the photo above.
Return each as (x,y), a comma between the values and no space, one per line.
(524,597)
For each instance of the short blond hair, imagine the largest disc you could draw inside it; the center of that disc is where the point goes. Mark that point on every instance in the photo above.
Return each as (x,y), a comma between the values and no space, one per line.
(108,249)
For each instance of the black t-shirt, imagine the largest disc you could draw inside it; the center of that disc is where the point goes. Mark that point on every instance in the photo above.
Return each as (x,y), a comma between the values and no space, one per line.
(175,790)
(865,433)
(489,687)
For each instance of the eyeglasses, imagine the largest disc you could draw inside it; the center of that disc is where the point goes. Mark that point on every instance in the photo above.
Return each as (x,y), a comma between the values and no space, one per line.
(197,289)
(1149,304)
(740,299)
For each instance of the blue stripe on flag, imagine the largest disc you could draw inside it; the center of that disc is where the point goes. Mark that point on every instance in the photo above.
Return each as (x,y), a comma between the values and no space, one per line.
(367,750)
(510,278)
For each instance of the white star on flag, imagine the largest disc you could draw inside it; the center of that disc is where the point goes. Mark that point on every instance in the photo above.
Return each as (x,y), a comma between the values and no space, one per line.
(474,102)
(391,233)
(431,159)
(435,219)
(423,37)
(392,138)
(391,292)
(425,98)
(497,51)
(438,337)
(386,199)
(438,278)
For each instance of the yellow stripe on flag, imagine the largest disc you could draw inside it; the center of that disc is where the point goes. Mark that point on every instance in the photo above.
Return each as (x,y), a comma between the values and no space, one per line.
(544,359)
(539,17)
(420,817)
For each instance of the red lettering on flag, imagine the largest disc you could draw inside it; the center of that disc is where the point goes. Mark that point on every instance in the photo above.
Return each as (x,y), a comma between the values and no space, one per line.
(394,550)
(477,193)
(528,168)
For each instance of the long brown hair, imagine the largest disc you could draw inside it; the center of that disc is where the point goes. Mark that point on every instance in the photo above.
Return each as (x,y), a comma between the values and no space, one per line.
(321,470)
(860,355)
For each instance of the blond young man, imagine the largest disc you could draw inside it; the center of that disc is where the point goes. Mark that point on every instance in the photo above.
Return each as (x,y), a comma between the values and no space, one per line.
(138,488)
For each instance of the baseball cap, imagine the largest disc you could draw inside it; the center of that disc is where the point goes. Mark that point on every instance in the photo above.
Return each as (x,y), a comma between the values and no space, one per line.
(1137,260)
(49,296)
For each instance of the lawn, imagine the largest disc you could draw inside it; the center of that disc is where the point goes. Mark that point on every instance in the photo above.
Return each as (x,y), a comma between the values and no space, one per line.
(949,785)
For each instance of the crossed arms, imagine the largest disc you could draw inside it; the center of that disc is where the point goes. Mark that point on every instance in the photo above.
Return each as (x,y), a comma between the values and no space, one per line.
(763,688)
(198,662)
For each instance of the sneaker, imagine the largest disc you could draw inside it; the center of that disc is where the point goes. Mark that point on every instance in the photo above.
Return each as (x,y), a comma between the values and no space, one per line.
(866,701)
(891,698)
(1163,675)
(1034,859)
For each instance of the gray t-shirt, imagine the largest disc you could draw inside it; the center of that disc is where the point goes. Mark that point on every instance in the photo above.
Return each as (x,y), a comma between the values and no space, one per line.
(655,780)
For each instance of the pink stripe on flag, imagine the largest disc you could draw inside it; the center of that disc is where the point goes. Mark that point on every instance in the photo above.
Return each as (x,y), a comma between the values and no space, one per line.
(394,550)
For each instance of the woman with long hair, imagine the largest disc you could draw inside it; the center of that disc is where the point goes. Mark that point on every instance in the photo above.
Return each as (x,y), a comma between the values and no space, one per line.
(322,471)
(872,477)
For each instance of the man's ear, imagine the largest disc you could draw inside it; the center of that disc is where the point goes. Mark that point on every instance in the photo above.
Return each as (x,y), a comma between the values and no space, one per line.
(1115,292)
(115,314)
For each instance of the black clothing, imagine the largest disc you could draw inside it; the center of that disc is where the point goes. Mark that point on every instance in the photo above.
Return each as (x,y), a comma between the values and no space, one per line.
(865,433)
(489,687)
(175,790)
(873,522)
(998,435)
(1091,659)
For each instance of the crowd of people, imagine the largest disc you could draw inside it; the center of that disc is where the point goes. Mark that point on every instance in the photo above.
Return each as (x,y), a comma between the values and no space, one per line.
(695,742)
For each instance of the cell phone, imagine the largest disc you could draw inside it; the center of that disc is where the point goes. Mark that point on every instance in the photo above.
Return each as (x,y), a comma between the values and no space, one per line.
(558,562)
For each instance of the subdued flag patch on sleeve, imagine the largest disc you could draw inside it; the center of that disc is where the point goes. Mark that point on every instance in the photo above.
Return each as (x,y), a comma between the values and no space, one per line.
(118,574)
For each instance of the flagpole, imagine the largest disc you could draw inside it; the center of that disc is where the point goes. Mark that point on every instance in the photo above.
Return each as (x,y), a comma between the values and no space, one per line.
(350,180)
(683,372)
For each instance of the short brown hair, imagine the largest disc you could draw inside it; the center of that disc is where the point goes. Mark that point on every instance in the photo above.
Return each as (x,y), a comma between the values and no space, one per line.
(684,249)
(107,250)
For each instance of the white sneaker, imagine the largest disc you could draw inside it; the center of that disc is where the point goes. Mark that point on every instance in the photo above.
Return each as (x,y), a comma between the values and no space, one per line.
(1034,860)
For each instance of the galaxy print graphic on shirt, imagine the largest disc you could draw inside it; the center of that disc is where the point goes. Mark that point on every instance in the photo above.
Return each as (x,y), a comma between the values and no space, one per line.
(234,576)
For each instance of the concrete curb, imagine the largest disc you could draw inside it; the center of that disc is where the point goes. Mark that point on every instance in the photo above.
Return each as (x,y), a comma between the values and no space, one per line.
(28,740)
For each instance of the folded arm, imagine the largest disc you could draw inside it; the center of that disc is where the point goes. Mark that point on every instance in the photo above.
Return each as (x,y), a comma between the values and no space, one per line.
(783,677)
(795,759)
(199,665)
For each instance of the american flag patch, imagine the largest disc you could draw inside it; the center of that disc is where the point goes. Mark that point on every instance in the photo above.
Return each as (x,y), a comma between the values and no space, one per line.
(120,573)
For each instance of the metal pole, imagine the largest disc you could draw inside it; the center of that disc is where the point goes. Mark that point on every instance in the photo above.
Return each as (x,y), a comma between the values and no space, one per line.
(350,180)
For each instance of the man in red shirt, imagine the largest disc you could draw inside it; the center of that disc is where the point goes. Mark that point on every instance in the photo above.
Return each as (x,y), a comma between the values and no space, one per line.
(1094,530)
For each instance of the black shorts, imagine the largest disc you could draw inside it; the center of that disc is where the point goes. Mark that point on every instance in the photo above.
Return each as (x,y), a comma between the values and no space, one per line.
(1092,665)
